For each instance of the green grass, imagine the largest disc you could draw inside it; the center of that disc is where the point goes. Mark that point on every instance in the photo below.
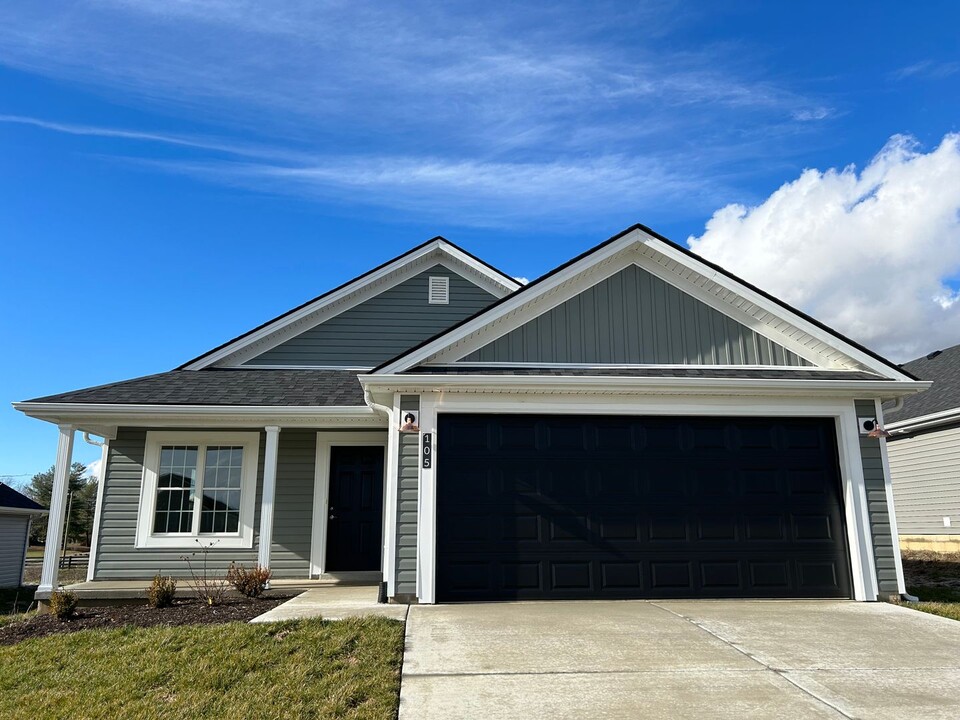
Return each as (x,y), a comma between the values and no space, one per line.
(310,669)
(943,601)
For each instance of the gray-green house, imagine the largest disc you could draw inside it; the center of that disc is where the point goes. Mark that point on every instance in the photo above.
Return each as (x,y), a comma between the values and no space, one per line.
(636,423)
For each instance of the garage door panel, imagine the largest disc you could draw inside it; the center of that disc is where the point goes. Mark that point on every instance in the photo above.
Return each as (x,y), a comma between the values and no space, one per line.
(656,507)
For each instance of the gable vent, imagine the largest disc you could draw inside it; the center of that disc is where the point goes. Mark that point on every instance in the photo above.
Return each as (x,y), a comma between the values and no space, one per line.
(439,293)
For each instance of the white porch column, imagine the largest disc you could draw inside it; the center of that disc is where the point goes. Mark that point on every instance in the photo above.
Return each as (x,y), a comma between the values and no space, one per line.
(269,490)
(58,505)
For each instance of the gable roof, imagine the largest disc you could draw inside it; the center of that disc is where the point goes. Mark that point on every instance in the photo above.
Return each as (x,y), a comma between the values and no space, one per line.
(11,499)
(438,248)
(861,357)
(943,368)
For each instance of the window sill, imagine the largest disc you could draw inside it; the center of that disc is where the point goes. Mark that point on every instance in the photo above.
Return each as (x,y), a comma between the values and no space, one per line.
(196,542)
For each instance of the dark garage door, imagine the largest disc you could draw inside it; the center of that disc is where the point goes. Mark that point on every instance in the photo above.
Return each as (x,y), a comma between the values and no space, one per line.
(638,507)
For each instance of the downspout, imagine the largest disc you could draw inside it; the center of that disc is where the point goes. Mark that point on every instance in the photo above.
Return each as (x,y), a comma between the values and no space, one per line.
(388,413)
(368,399)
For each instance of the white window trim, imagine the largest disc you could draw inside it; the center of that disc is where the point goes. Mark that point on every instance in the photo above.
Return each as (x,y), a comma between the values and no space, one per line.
(243,538)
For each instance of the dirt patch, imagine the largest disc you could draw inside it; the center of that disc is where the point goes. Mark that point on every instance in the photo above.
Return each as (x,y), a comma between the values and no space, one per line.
(182,612)
(927,568)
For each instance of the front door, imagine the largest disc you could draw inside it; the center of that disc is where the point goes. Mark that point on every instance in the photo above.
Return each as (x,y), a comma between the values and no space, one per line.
(355,510)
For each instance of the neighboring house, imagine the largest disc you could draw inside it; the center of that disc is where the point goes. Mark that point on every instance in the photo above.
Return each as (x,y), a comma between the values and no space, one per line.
(636,423)
(16,514)
(924,449)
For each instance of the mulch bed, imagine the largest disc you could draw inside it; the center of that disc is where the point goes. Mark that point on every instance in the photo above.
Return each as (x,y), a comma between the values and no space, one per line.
(923,567)
(182,612)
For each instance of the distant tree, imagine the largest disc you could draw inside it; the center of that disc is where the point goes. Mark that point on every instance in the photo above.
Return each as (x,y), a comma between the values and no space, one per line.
(84,492)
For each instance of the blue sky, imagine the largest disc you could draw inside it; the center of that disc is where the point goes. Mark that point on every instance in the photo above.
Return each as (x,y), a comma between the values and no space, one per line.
(174,173)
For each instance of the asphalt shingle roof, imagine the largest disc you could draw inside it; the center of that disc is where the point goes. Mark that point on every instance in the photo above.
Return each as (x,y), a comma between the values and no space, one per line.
(944,370)
(767,374)
(303,388)
(10,498)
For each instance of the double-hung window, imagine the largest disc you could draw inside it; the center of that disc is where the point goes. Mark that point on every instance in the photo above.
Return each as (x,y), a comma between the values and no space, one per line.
(198,486)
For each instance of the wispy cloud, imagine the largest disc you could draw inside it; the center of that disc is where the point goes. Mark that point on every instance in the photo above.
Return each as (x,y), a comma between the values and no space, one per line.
(926,69)
(465,101)
(106,132)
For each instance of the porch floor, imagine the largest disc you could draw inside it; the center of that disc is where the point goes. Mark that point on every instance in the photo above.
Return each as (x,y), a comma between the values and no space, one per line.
(334,603)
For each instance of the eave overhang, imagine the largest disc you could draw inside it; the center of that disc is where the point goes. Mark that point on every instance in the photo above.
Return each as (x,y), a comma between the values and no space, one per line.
(500,384)
(103,419)
(924,422)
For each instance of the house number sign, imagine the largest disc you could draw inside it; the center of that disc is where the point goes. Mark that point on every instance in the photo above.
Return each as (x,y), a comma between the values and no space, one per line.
(426,452)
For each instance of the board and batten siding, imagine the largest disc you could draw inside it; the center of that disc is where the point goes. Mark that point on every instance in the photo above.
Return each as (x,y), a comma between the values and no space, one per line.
(13,539)
(875,485)
(408,474)
(634,317)
(119,558)
(925,469)
(383,326)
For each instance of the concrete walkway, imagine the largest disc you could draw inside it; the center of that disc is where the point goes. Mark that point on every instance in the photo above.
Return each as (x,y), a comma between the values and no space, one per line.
(679,659)
(333,603)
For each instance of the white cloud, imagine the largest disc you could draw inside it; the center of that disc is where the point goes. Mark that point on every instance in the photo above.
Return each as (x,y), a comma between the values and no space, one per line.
(874,254)
(522,280)
(93,468)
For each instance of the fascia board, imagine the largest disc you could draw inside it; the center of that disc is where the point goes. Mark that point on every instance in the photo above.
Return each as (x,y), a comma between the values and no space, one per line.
(21,511)
(618,385)
(354,294)
(495,279)
(774,309)
(354,291)
(100,418)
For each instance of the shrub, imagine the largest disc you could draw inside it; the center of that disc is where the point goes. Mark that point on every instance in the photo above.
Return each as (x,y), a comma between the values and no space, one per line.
(251,582)
(63,604)
(162,591)
(205,584)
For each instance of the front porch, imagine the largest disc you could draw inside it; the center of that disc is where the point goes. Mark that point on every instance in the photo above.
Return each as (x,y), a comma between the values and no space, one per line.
(309,503)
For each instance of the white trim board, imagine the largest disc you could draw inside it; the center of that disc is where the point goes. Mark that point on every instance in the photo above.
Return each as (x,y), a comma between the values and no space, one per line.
(689,274)
(859,545)
(403,268)
(321,488)
(626,386)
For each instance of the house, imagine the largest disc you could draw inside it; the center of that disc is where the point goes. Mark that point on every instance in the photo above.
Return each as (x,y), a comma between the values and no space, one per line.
(636,423)
(17,512)
(924,449)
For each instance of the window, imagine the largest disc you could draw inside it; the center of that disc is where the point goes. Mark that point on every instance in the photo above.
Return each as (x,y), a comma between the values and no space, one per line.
(439,293)
(198,486)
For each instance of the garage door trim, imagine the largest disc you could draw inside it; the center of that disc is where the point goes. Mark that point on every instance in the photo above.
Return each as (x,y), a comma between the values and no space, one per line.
(862,564)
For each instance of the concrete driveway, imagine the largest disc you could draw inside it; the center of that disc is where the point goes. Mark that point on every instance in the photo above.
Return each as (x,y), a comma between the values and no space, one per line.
(679,659)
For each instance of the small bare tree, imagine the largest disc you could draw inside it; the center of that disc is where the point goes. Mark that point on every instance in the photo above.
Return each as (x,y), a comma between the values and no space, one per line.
(206,585)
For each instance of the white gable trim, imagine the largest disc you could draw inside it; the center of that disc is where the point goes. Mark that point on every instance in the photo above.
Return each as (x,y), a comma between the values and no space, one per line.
(274,333)
(702,282)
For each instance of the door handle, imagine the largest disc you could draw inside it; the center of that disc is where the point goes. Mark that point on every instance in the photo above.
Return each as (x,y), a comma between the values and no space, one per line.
(332,516)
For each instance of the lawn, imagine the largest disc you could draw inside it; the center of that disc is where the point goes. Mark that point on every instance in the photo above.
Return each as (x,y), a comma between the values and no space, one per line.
(308,669)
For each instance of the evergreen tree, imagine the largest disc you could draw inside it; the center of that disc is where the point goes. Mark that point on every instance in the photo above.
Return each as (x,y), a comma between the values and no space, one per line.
(84,492)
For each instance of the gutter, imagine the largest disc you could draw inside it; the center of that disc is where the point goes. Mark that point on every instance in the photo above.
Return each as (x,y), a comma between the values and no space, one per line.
(902,427)
(625,385)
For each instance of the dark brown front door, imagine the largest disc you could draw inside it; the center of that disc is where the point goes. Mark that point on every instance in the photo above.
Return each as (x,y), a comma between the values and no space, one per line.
(355,509)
